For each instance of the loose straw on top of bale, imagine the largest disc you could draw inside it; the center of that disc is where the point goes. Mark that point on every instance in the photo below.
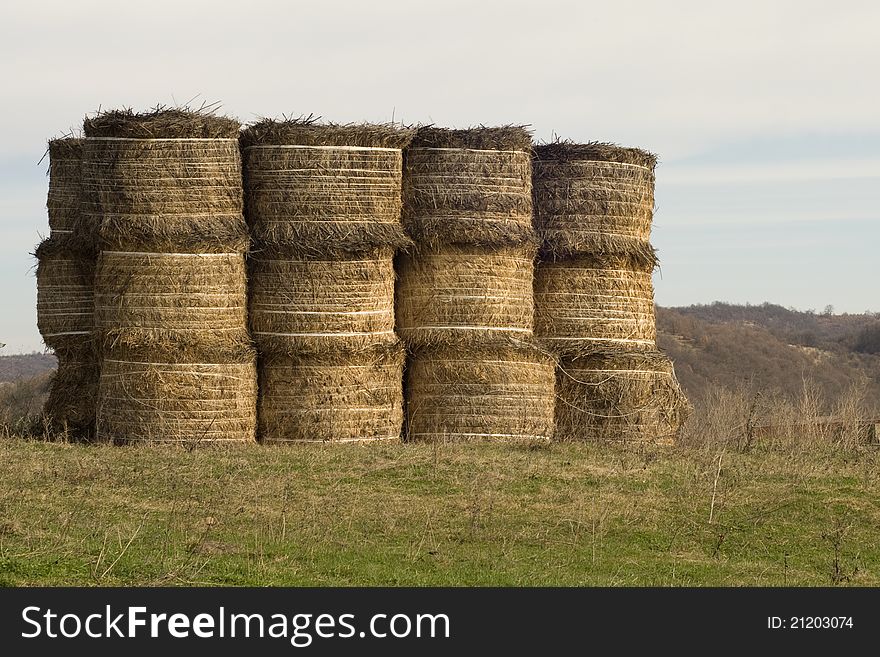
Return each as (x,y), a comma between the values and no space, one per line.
(594,199)
(459,294)
(320,305)
(500,392)
(619,397)
(154,396)
(342,396)
(63,201)
(65,291)
(73,391)
(179,300)
(469,186)
(322,189)
(164,181)
(594,303)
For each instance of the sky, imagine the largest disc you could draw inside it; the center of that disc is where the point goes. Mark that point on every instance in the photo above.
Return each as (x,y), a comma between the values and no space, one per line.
(765,115)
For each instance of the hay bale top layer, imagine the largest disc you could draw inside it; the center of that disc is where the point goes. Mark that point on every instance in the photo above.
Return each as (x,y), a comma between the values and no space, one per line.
(65,148)
(502,138)
(309,132)
(594,151)
(162,123)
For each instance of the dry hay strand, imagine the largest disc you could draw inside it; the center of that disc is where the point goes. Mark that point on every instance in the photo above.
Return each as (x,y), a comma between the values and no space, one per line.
(500,392)
(63,201)
(338,397)
(162,123)
(324,189)
(172,194)
(156,396)
(195,301)
(462,294)
(619,397)
(469,187)
(65,292)
(594,303)
(71,405)
(594,199)
(321,305)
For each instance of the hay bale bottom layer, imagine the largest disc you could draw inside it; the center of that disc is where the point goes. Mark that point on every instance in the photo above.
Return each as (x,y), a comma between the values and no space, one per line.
(496,394)
(594,304)
(170,402)
(151,299)
(338,398)
(623,397)
(321,305)
(73,392)
(458,294)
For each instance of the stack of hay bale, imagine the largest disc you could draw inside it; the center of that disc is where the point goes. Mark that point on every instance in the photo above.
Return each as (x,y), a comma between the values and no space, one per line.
(464,294)
(594,299)
(65,294)
(164,189)
(323,205)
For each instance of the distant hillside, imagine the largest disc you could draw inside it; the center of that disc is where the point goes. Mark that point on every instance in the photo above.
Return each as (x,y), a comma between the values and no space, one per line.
(25,366)
(771,347)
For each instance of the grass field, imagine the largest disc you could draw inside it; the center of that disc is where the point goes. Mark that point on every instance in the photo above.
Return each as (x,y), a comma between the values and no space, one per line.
(448,515)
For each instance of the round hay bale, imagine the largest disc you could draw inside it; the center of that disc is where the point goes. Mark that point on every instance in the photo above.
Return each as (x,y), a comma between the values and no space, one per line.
(619,397)
(70,406)
(321,305)
(171,300)
(594,303)
(499,393)
(63,202)
(459,294)
(336,397)
(158,397)
(321,189)
(65,292)
(469,187)
(164,181)
(594,199)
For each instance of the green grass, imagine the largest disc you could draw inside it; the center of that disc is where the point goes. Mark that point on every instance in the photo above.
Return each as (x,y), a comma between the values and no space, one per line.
(423,515)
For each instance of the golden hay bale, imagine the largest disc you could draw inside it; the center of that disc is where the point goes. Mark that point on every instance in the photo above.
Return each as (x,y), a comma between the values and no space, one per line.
(176,300)
(457,294)
(321,189)
(469,187)
(594,199)
(335,397)
(503,392)
(63,202)
(325,304)
(70,406)
(65,292)
(594,303)
(620,397)
(164,181)
(154,397)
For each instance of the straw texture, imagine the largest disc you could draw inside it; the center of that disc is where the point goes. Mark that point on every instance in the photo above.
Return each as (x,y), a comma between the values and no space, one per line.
(619,397)
(171,300)
(65,292)
(594,303)
(493,392)
(333,397)
(70,406)
(467,196)
(63,201)
(324,189)
(156,397)
(594,199)
(462,294)
(313,305)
